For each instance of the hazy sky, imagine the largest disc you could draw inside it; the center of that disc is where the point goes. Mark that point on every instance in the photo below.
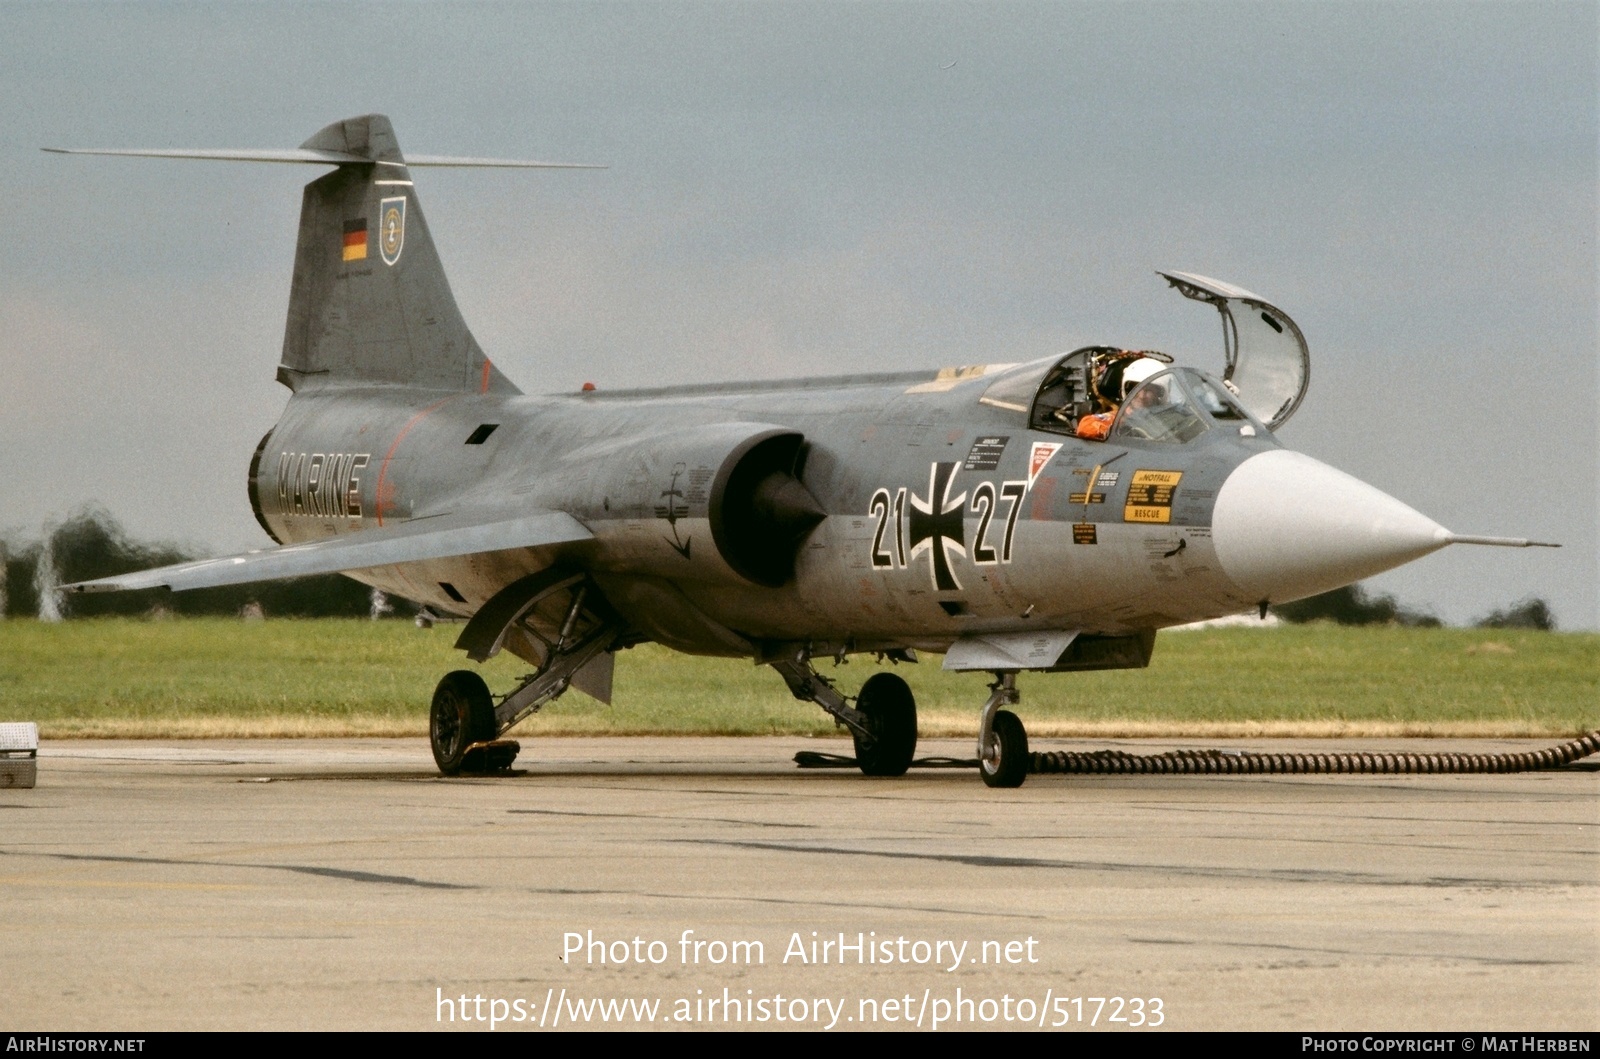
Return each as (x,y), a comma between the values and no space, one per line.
(815,188)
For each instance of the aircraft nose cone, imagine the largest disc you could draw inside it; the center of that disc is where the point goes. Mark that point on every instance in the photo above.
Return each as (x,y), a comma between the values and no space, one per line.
(1287,526)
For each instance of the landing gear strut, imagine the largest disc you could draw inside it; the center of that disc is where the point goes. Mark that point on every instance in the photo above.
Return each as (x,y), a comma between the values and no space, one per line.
(554,677)
(1002,741)
(465,724)
(883,720)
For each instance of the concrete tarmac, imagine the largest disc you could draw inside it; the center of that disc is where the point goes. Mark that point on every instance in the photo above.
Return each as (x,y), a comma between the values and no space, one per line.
(342,884)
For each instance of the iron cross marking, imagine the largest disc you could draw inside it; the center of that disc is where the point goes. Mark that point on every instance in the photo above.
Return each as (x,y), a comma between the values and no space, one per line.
(936,525)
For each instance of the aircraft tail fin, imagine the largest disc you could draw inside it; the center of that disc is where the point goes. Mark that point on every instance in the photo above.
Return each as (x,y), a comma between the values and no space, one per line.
(370,301)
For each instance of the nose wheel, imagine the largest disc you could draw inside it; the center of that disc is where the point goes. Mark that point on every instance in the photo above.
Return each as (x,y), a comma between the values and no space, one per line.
(1002,741)
(1003,761)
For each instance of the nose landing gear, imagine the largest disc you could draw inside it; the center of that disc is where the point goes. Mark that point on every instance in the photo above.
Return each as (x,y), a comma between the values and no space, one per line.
(1002,741)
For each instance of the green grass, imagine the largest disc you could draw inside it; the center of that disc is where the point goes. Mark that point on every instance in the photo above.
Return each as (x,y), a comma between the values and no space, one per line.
(222,677)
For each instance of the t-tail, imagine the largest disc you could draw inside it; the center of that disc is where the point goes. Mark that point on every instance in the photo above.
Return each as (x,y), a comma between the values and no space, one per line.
(369,304)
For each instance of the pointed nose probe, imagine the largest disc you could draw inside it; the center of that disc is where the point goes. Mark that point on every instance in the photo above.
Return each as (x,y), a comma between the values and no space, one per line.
(1286,526)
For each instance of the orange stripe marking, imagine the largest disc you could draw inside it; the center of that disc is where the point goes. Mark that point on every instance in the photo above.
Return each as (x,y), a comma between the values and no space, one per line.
(383,470)
(485,387)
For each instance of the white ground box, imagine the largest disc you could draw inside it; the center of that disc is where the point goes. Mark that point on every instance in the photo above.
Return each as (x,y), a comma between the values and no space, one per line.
(19,753)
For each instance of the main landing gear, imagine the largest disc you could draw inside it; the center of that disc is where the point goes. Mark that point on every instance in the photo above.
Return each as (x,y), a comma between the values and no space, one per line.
(462,729)
(891,715)
(465,724)
(883,720)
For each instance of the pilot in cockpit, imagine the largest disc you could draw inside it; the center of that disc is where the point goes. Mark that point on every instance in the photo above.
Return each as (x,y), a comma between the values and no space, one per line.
(1115,379)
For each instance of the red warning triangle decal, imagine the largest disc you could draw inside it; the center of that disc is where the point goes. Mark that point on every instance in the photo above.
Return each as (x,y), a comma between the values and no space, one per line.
(1042,451)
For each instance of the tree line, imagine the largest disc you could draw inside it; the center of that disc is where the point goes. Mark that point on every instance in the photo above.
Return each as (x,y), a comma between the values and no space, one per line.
(93,544)
(1352,605)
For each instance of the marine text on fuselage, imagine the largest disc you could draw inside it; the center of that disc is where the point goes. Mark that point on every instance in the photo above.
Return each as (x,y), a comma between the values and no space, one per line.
(320,484)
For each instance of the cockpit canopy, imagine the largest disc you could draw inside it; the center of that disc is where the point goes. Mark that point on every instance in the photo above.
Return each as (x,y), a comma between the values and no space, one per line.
(1175,406)
(1267,370)
(1268,363)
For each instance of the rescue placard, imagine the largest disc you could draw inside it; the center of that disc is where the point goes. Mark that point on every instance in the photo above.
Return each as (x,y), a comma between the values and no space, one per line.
(1150,496)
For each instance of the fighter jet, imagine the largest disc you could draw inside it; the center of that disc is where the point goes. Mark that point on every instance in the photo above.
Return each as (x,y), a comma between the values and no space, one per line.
(1044,516)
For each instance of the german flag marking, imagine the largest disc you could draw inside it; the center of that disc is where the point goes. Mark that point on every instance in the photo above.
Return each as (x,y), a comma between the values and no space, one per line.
(355,240)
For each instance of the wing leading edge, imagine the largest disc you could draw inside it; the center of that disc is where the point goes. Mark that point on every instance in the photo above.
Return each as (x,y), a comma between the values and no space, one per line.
(443,537)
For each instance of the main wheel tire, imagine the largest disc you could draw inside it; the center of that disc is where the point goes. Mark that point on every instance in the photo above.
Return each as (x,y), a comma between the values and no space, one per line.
(462,714)
(1004,761)
(892,715)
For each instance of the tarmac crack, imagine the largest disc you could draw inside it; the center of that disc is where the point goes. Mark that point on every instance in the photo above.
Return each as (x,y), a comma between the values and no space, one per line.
(300,869)
(989,861)
(661,818)
(1383,818)
(363,876)
(725,899)
(1494,961)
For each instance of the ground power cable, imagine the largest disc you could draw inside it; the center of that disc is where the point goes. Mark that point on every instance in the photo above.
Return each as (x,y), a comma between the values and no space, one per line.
(1234,762)
(1254,763)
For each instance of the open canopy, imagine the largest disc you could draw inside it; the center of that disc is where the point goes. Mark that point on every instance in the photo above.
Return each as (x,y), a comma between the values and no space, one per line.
(1267,359)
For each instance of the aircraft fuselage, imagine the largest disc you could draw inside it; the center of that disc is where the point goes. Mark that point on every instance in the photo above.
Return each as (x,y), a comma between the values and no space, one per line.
(944,516)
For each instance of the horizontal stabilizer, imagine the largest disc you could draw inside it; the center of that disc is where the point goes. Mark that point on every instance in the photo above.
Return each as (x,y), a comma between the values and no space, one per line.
(444,537)
(307,156)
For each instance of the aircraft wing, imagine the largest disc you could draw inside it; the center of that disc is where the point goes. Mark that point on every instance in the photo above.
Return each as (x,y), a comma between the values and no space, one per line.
(441,537)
